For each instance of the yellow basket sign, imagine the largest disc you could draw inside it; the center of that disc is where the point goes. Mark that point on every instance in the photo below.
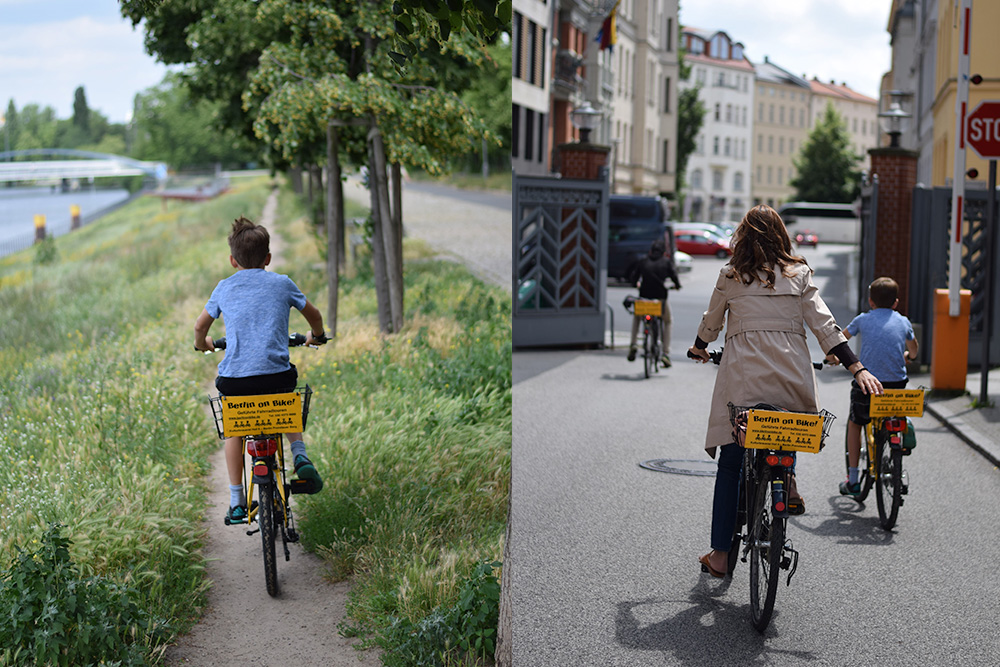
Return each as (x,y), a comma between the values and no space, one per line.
(789,431)
(648,307)
(898,403)
(268,413)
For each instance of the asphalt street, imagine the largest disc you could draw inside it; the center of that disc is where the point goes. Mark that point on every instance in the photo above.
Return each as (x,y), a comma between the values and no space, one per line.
(603,551)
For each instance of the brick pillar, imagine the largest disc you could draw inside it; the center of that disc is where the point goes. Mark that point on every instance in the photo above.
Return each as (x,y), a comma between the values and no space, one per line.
(581,161)
(897,176)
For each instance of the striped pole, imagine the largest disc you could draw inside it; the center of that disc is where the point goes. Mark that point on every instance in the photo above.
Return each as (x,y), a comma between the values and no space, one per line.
(39,228)
(74,216)
(958,178)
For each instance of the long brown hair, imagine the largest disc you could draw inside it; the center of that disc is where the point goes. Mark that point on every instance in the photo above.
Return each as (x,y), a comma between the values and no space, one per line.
(760,243)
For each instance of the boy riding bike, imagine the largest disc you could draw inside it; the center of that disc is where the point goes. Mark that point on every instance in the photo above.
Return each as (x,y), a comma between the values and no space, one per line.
(887,342)
(256,305)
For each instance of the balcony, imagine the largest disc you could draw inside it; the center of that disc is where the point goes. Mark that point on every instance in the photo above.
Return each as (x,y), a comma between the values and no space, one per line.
(567,81)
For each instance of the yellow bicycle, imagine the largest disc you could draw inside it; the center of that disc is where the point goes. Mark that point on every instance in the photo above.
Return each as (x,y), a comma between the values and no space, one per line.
(885,440)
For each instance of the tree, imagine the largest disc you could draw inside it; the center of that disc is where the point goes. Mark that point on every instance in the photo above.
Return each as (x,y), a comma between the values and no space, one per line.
(690,118)
(414,20)
(81,113)
(826,167)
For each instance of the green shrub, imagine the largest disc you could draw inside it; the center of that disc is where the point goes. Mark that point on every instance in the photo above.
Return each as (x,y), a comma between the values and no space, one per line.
(51,615)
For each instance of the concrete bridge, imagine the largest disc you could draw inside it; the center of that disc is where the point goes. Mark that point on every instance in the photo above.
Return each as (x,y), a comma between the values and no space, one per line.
(74,165)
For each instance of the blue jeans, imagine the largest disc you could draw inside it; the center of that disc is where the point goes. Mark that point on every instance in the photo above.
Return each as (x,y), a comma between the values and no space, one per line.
(727,496)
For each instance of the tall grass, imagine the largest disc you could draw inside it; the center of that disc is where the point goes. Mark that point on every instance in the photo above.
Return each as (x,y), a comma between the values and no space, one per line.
(103,430)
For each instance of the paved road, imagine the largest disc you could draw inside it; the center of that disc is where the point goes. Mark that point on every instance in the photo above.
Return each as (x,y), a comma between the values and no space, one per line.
(604,552)
(470,227)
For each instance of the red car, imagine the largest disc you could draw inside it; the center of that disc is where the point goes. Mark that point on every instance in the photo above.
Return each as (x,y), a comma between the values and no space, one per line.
(806,237)
(702,243)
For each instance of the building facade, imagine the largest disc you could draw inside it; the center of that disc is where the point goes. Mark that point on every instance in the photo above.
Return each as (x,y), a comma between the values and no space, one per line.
(531,56)
(719,171)
(781,125)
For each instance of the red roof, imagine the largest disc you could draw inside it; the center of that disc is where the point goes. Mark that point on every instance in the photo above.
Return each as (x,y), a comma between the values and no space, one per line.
(743,63)
(839,90)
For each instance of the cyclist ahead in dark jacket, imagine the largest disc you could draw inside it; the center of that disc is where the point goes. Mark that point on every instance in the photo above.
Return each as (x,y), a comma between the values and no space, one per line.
(650,274)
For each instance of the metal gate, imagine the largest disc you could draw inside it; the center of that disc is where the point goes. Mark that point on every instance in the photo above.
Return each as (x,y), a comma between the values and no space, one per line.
(929,251)
(560,250)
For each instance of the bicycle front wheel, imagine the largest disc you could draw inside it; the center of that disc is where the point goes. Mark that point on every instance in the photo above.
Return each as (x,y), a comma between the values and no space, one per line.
(888,483)
(267,521)
(766,534)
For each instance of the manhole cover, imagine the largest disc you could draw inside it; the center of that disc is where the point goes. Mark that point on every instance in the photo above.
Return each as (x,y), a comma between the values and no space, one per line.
(696,467)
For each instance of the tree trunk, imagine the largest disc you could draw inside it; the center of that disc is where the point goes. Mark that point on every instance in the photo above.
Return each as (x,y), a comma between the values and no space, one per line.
(378,243)
(295,176)
(393,255)
(334,227)
(397,231)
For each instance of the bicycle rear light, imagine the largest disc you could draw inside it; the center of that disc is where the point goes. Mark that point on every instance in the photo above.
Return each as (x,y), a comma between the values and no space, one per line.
(260,469)
(895,425)
(262,447)
(772,459)
(788,461)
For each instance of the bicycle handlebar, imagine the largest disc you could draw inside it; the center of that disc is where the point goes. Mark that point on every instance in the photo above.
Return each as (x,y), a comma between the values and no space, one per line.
(294,340)
(715,356)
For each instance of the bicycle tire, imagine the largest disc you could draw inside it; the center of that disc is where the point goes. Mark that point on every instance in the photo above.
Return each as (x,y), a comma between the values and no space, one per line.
(266,521)
(766,535)
(889,478)
(657,345)
(864,475)
(647,352)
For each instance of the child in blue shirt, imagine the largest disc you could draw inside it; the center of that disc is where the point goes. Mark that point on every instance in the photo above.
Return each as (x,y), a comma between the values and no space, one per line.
(256,306)
(887,342)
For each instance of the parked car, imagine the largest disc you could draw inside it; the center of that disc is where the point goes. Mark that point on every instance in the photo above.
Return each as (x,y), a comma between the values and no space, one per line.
(682,261)
(723,229)
(696,242)
(806,237)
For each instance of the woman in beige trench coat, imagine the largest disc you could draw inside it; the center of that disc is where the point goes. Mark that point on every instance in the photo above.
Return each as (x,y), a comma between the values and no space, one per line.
(771,300)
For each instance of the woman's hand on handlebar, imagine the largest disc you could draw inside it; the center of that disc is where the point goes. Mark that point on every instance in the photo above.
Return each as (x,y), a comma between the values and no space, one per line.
(868,383)
(698,354)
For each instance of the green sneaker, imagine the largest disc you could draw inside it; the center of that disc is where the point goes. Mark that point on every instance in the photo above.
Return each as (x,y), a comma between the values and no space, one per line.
(847,489)
(236,514)
(307,471)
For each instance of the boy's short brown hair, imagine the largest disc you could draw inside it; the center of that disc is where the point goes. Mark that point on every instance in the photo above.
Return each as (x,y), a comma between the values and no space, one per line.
(249,243)
(883,292)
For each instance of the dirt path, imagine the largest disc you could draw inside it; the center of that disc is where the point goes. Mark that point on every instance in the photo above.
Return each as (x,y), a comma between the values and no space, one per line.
(242,624)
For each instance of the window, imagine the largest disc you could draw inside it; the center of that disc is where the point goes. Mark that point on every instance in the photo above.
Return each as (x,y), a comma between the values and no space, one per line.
(696,179)
(515,123)
(791,146)
(781,114)
(529,134)
(717,180)
(760,143)
(781,145)
(666,156)
(670,34)
(727,147)
(666,95)
(738,181)
(770,113)
(518,42)
(532,51)
(760,113)
(718,112)
(770,144)
(769,174)
(781,175)
(715,145)
(759,172)
(541,137)
(729,113)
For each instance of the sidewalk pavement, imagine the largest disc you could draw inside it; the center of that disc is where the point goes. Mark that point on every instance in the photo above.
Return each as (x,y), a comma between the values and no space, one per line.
(978,427)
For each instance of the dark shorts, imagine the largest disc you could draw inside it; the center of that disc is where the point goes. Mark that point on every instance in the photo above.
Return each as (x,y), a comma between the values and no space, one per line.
(860,401)
(275,383)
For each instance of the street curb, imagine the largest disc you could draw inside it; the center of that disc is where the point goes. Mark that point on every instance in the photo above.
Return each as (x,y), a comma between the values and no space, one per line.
(959,427)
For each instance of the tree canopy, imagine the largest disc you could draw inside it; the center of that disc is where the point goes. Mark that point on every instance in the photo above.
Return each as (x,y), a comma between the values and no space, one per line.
(826,167)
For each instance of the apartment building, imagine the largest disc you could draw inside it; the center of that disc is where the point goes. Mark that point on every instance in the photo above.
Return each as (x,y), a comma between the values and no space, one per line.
(719,171)
(636,85)
(531,77)
(781,126)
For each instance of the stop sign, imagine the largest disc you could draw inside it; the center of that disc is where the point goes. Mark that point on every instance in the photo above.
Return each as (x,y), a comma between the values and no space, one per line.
(983,129)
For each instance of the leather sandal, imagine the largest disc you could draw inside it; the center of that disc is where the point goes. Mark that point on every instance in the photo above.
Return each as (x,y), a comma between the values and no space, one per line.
(707,568)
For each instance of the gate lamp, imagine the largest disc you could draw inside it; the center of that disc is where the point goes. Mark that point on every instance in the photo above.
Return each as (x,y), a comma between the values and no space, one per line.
(895,121)
(585,118)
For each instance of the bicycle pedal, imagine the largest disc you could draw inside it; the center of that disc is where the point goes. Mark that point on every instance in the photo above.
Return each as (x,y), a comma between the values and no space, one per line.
(302,486)
(292,536)
(253,532)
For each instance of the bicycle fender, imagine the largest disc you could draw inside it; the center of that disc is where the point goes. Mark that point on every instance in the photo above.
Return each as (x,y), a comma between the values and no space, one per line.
(779,502)
(261,471)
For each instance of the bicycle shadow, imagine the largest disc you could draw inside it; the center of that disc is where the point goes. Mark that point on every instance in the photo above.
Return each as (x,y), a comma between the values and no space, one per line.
(631,377)
(709,630)
(852,522)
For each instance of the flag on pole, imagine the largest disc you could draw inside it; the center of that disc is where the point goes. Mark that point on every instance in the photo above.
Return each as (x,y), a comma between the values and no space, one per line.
(608,34)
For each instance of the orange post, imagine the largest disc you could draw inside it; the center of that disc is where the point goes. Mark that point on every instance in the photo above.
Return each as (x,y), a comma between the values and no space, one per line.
(39,228)
(950,350)
(74,216)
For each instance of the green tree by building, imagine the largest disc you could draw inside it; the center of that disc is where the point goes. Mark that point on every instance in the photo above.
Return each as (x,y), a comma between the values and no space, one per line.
(826,167)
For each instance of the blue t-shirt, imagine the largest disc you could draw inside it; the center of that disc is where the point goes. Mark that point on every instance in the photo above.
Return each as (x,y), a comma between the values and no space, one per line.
(255,305)
(884,333)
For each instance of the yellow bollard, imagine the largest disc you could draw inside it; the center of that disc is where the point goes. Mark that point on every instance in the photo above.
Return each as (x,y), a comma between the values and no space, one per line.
(950,349)
(74,215)
(39,228)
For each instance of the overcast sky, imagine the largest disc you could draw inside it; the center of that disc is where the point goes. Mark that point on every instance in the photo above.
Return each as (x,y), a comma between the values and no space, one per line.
(48,48)
(841,40)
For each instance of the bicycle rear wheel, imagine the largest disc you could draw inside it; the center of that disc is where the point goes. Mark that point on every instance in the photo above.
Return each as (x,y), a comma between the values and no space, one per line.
(889,479)
(766,534)
(267,521)
(648,360)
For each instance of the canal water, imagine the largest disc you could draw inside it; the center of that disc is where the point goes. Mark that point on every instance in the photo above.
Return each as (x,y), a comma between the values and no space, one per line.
(19,206)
